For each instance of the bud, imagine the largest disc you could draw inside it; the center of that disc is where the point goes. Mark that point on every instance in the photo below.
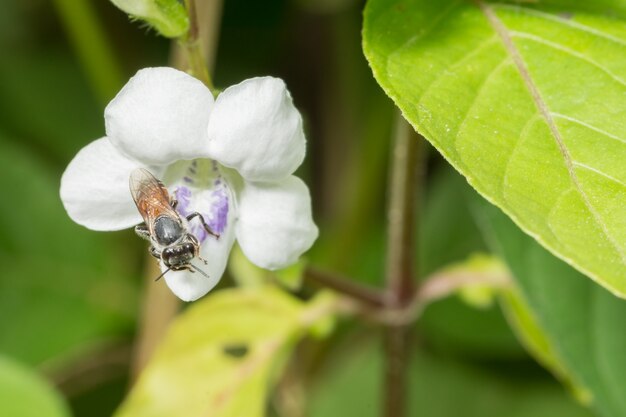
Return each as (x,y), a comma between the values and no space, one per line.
(168,17)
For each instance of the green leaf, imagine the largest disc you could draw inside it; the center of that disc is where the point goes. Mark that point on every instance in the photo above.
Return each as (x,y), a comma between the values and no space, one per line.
(449,235)
(168,17)
(438,387)
(582,321)
(23,393)
(221,356)
(526,99)
(537,342)
(448,232)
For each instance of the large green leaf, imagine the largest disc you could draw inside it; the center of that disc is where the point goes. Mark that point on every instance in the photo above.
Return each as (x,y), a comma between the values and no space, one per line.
(219,358)
(23,393)
(582,321)
(527,100)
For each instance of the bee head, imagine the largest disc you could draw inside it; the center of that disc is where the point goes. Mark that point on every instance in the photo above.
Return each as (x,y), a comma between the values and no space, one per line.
(179,255)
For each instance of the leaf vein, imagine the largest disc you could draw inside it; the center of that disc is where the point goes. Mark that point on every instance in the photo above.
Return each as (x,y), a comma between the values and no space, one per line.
(596,171)
(588,126)
(476,97)
(564,22)
(541,105)
(487,43)
(578,55)
(522,134)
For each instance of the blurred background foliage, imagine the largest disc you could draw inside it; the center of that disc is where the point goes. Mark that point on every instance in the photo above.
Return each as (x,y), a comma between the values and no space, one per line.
(70,298)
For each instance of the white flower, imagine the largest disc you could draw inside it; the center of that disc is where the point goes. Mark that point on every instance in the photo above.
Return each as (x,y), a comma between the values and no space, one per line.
(230,158)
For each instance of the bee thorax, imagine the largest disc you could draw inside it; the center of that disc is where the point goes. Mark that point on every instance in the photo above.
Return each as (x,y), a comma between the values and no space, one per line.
(167,230)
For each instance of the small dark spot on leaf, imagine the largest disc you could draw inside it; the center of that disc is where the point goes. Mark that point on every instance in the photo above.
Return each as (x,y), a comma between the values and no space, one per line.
(236,350)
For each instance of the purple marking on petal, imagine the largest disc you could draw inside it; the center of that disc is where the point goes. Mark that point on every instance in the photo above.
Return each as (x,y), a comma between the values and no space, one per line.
(216,217)
(220,211)
(188,180)
(183,195)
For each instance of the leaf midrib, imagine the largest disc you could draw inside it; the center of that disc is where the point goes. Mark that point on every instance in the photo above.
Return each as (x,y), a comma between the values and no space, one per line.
(507,41)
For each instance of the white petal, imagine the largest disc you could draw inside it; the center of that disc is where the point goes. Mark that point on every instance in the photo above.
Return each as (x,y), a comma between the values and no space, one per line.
(94,188)
(191,286)
(255,128)
(161,115)
(275,225)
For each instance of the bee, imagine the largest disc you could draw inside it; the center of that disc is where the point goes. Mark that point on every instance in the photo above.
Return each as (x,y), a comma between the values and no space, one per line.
(167,231)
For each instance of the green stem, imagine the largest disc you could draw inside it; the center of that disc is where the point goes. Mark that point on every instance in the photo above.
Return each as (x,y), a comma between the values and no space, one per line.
(196,62)
(401,252)
(90,43)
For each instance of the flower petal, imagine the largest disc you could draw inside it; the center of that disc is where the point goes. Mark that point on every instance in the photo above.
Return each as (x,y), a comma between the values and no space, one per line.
(216,207)
(255,128)
(161,115)
(275,225)
(94,188)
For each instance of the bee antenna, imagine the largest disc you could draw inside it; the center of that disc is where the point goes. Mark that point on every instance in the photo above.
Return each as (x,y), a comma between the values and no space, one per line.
(163,273)
(199,270)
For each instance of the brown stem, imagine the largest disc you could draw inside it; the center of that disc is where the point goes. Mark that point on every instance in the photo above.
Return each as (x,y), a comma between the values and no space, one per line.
(347,286)
(401,253)
(160,306)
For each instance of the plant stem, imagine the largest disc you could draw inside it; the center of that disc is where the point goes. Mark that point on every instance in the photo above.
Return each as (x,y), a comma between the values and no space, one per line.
(195,42)
(443,284)
(158,309)
(347,286)
(401,253)
(160,306)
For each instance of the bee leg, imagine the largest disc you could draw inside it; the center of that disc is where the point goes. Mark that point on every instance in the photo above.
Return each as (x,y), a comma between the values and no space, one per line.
(206,226)
(173,203)
(154,252)
(142,231)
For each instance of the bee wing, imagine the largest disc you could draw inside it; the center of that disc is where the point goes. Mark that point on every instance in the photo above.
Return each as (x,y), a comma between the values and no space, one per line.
(150,196)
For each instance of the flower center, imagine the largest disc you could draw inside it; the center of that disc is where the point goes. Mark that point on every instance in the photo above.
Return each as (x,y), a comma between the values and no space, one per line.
(199,187)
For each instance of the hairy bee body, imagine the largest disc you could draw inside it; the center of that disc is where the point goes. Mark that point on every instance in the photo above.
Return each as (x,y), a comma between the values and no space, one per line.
(165,229)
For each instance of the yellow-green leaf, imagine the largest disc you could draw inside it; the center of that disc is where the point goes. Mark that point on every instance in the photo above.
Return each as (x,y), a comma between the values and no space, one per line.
(221,356)
(527,100)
